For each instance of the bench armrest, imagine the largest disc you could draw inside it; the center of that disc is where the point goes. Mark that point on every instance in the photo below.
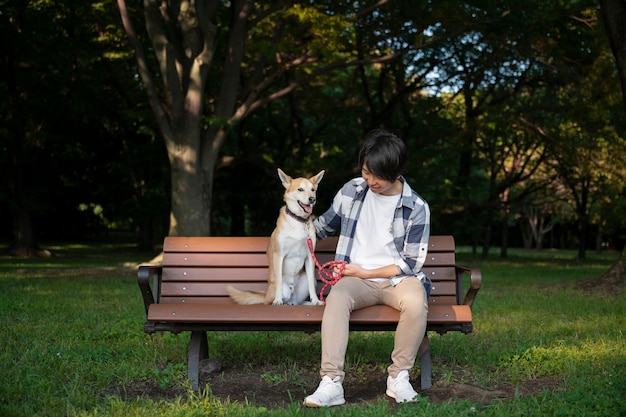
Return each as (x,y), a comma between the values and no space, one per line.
(475,277)
(149,294)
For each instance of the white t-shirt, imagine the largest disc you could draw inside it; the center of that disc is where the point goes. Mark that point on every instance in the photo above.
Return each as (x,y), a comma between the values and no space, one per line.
(373,245)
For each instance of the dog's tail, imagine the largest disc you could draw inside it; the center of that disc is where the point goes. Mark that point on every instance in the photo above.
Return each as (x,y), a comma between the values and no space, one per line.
(246,297)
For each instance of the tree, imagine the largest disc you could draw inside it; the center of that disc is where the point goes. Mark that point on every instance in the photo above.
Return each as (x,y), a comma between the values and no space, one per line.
(494,68)
(216,63)
(203,51)
(614,15)
(587,147)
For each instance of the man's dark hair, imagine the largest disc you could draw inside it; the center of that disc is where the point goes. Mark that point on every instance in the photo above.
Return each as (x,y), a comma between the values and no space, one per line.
(384,153)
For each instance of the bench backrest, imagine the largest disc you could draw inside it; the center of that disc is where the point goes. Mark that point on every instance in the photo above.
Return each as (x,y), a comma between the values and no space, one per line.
(195,268)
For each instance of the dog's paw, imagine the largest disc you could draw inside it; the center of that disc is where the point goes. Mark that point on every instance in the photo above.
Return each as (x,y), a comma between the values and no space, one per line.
(317,302)
(278,302)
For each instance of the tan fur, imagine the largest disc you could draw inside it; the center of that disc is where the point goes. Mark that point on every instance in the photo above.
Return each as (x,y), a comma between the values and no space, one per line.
(291,277)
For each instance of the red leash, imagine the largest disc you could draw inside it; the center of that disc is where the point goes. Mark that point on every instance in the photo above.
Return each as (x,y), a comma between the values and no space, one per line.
(326,271)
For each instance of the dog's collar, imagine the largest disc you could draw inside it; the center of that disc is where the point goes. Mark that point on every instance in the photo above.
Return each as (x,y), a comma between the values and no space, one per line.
(295,216)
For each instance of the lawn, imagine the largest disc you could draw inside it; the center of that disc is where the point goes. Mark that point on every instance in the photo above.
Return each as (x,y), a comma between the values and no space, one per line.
(71,327)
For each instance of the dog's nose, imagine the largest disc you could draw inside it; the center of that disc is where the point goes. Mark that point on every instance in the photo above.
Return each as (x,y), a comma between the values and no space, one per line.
(311,200)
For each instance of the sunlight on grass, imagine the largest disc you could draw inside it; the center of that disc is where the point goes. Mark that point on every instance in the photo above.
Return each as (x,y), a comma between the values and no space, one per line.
(566,359)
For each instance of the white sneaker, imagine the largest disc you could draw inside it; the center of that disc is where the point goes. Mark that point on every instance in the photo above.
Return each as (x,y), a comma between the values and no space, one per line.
(329,393)
(400,388)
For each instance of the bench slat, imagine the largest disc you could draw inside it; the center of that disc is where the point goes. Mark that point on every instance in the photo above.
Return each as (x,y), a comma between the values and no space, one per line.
(259,244)
(254,274)
(215,274)
(260,259)
(215,259)
(218,289)
(441,243)
(437,300)
(440,273)
(215,244)
(226,313)
(437,259)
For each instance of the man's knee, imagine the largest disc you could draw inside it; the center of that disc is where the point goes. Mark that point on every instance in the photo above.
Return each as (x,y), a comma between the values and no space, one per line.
(414,309)
(413,301)
(341,293)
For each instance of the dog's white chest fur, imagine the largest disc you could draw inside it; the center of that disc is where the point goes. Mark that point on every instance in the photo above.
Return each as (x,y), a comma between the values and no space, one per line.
(295,250)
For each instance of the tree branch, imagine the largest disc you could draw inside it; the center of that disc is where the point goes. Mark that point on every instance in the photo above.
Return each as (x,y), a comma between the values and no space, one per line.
(144,71)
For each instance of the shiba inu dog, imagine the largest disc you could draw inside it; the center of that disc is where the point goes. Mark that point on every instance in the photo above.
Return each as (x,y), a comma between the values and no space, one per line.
(291,266)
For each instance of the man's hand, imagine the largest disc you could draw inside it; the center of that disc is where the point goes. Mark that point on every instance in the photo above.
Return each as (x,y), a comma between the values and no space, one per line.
(354,270)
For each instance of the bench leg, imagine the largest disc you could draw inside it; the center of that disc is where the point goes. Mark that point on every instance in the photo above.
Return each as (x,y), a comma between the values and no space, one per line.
(425,363)
(198,350)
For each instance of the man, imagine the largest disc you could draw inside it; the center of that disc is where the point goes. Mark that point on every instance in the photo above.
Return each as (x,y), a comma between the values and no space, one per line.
(384,228)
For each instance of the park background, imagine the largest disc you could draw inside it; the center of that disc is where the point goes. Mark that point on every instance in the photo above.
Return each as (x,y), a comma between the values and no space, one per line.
(127,122)
(512,113)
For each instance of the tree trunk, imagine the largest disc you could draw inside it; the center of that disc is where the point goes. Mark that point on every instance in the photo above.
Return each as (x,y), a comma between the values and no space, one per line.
(526,231)
(468,138)
(505,212)
(504,247)
(190,212)
(489,214)
(583,220)
(614,15)
(23,234)
(179,110)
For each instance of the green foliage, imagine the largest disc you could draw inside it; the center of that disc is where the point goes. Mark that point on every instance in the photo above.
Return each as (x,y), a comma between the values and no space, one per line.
(503,107)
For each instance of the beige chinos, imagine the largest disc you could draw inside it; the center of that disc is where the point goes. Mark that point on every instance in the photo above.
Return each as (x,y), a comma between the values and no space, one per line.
(351,293)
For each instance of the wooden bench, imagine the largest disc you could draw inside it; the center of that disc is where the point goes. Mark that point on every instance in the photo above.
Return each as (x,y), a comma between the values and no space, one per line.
(188,294)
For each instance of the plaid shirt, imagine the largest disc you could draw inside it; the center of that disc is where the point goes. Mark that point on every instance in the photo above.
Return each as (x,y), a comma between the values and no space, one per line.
(411,227)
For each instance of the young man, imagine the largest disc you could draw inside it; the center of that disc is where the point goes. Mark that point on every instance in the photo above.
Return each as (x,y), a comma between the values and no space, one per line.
(384,228)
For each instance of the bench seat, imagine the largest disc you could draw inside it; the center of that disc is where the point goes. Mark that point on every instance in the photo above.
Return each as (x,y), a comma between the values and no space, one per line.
(223,311)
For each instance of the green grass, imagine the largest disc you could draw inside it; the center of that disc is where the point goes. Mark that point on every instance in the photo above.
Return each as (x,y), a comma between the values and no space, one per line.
(71,328)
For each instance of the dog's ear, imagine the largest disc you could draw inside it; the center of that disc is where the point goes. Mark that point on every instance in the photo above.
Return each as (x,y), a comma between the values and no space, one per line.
(284,178)
(316,179)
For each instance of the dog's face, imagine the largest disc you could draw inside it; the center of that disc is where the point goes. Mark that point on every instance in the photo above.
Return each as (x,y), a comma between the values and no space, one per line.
(300,193)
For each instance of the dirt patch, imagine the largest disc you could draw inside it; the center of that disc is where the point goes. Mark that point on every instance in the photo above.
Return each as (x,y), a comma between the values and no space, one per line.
(606,284)
(365,385)
(266,387)
(610,284)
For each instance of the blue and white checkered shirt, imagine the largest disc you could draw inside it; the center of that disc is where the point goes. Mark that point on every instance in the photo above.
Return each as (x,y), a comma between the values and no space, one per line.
(411,227)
